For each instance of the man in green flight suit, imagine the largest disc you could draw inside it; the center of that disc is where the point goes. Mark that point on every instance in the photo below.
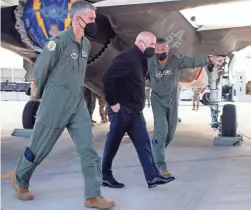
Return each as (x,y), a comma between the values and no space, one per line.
(164,71)
(59,76)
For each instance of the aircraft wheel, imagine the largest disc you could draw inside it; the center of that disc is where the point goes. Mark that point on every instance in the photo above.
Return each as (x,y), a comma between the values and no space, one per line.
(205,99)
(228,119)
(29,114)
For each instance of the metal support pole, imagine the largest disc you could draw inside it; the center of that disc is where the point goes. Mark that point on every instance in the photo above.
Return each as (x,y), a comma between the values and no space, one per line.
(214,103)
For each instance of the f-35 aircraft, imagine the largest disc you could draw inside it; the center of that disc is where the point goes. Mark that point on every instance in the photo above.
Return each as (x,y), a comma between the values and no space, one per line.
(119,22)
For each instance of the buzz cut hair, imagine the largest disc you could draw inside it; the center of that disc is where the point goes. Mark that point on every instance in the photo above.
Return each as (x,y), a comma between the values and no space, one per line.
(80,6)
(161,41)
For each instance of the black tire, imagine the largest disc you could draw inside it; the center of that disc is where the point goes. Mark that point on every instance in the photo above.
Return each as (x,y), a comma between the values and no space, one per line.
(205,99)
(29,114)
(228,118)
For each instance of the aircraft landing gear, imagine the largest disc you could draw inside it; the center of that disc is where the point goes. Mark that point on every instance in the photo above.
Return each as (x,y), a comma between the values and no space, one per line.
(227,125)
(29,115)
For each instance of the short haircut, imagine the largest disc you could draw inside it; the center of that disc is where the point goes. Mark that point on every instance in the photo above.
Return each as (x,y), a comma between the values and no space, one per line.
(161,41)
(80,5)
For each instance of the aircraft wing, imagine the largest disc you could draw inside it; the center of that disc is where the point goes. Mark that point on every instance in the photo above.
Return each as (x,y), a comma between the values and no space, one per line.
(165,20)
(119,22)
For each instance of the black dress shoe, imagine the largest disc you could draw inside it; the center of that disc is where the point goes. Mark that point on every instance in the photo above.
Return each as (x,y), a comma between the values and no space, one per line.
(112,183)
(159,180)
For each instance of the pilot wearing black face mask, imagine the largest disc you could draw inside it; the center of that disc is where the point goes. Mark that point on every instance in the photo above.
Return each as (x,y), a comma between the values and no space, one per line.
(164,71)
(90,28)
(161,56)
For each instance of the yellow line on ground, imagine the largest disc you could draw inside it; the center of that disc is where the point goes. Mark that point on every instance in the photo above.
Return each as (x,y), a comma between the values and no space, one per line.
(44,163)
(8,174)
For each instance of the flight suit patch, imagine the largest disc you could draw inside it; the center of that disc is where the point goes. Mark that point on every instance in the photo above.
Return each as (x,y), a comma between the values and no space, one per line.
(179,56)
(159,74)
(83,54)
(74,54)
(51,45)
(167,71)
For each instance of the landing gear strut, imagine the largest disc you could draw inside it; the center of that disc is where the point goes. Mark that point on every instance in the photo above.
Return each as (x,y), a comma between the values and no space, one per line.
(227,124)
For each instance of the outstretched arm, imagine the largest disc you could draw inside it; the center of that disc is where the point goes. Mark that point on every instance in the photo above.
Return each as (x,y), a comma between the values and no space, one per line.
(192,62)
(200,61)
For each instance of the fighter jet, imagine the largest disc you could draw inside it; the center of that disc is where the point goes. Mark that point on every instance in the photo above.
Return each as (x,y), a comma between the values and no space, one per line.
(119,22)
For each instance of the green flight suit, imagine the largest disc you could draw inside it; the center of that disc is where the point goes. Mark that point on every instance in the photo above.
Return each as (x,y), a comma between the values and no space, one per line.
(59,75)
(164,83)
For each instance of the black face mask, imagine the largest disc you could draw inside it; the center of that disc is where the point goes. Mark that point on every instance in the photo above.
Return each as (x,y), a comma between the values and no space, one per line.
(149,52)
(161,56)
(90,28)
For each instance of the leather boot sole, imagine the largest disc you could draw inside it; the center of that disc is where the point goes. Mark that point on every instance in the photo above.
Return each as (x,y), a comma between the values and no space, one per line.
(104,184)
(112,204)
(19,195)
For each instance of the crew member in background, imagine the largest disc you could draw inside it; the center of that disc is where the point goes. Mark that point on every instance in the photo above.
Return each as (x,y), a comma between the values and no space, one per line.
(102,109)
(164,70)
(196,98)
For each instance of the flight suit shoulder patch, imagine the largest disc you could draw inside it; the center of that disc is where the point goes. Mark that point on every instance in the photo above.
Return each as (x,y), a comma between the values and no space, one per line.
(54,43)
(51,45)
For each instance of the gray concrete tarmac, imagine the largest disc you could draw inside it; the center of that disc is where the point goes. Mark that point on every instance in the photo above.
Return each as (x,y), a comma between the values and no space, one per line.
(207,177)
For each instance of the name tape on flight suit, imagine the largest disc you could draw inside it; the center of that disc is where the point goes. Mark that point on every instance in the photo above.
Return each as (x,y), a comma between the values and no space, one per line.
(74,54)
(179,56)
(83,54)
(160,74)
(167,71)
